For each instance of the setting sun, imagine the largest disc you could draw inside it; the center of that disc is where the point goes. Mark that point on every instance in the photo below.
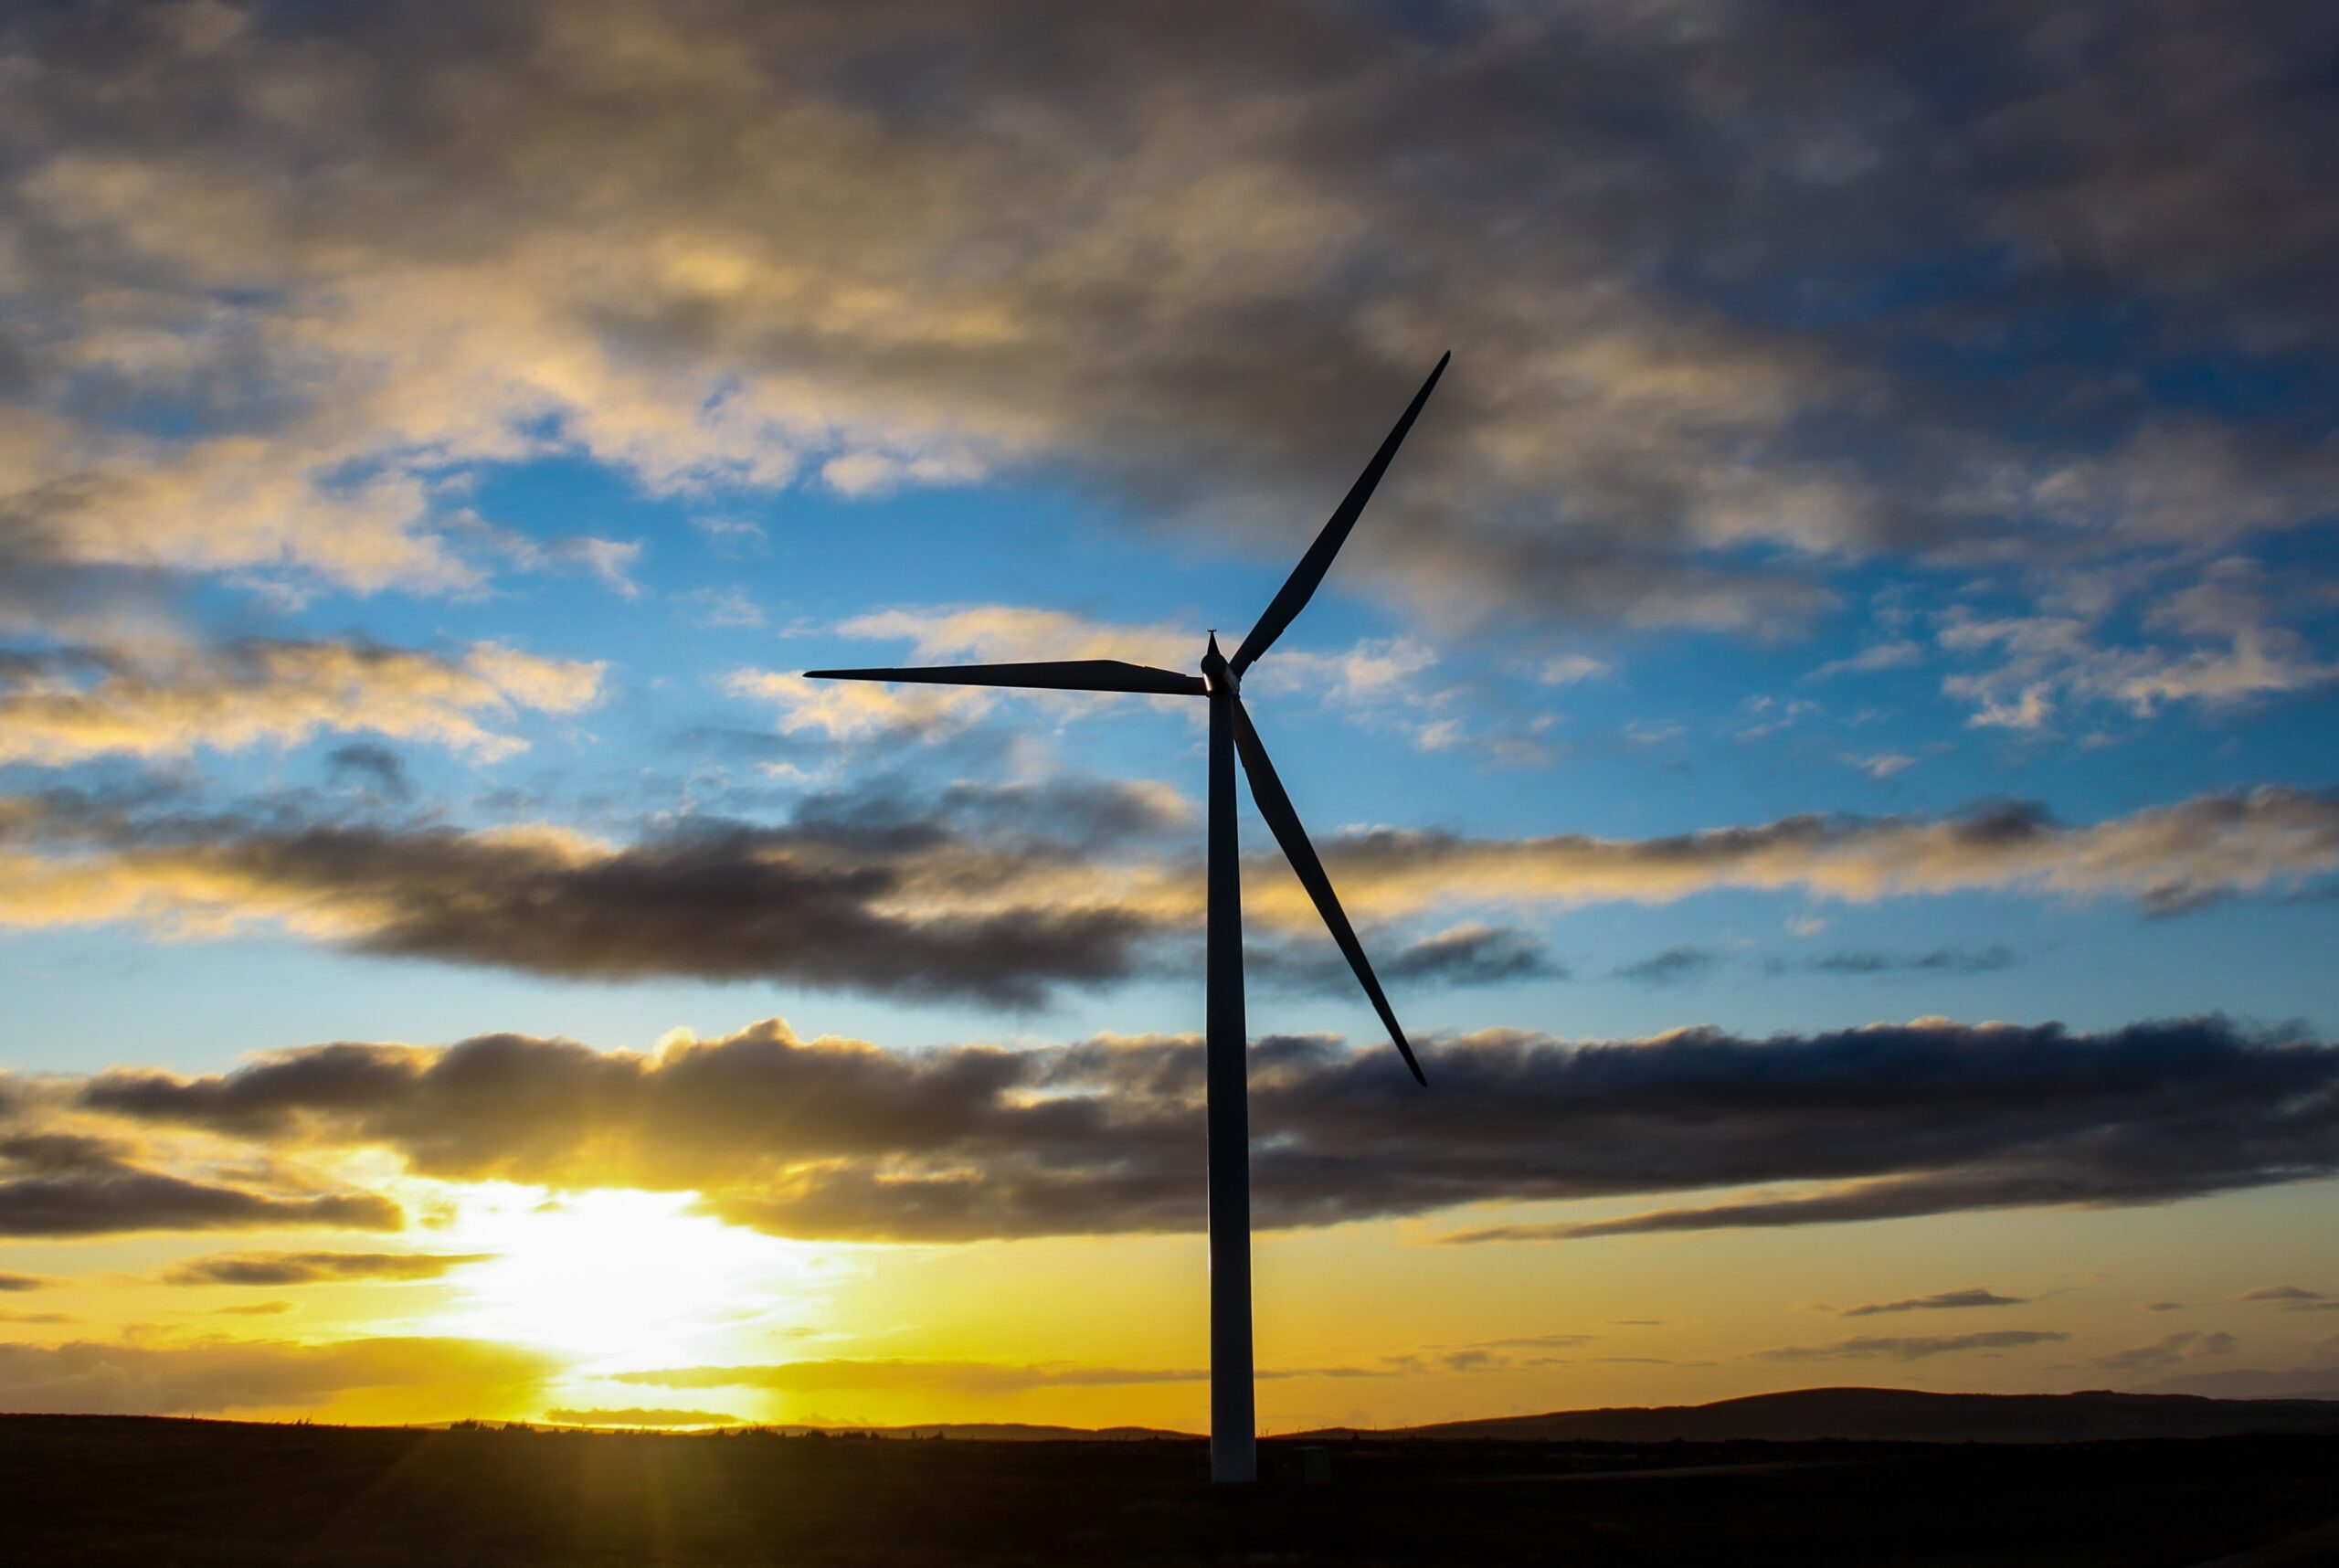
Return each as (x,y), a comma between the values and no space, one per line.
(615,1280)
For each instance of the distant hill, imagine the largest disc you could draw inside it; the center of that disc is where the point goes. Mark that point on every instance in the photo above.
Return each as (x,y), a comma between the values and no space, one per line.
(1897,1414)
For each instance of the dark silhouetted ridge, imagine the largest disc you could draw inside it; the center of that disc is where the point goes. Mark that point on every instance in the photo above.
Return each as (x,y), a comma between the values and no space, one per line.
(1900,1414)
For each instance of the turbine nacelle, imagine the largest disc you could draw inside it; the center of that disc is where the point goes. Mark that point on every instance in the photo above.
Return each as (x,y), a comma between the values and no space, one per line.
(1217,672)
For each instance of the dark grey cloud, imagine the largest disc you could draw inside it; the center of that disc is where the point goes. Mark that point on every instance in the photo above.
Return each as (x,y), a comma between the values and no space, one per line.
(968,894)
(374,769)
(1471,956)
(1940,960)
(315,1267)
(1675,965)
(838,1138)
(1975,1297)
(64,1184)
(14,1282)
(1733,301)
(1005,893)
(1915,1349)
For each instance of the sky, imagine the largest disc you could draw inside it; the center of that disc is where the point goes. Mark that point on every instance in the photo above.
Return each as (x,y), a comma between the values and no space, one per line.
(1827,731)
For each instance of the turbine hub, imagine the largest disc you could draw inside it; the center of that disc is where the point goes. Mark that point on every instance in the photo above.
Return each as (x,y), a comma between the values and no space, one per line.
(1215,668)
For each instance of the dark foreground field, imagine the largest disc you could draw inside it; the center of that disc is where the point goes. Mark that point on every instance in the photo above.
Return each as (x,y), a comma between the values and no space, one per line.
(180,1494)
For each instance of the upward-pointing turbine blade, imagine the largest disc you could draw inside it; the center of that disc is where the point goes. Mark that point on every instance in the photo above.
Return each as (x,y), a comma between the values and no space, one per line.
(1275,806)
(1301,585)
(1064,675)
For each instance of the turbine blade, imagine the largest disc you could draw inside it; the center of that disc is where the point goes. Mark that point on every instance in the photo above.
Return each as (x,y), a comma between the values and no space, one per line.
(1275,806)
(1301,585)
(1064,675)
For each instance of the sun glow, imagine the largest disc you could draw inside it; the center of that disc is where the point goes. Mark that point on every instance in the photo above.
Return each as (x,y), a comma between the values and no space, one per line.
(619,1279)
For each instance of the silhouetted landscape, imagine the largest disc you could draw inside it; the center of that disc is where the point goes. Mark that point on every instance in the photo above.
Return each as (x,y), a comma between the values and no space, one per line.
(1816,1476)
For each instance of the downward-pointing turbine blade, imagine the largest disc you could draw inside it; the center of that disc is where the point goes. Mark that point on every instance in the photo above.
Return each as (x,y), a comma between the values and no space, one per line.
(1065,675)
(1275,806)
(1301,585)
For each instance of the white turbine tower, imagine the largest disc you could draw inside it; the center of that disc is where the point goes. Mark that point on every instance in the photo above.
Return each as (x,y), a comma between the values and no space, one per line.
(1233,1442)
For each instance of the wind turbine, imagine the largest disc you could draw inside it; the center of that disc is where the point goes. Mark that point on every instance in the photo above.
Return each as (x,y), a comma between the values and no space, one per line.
(1233,1442)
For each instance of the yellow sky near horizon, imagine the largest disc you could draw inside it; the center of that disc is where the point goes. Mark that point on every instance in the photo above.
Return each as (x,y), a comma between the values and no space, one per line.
(1375,1324)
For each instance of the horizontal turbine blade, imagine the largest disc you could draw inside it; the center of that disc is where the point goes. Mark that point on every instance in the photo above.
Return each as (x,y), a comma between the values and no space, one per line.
(1300,586)
(1275,806)
(1065,675)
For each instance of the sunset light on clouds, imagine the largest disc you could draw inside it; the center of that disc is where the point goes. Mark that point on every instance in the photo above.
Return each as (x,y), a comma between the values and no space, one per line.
(1827,732)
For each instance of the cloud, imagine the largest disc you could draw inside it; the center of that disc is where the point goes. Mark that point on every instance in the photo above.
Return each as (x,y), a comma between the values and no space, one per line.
(636,1415)
(210,1376)
(2189,1344)
(315,1267)
(1674,966)
(372,769)
(68,706)
(16,1282)
(1570,669)
(2168,857)
(2294,1298)
(1006,893)
(2048,662)
(1898,653)
(2286,1293)
(1914,1349)
(862,710)
(1712,341)
(839,1139)
(1465,956)
(984,892)
(64,1184)
(1940,960)
(1975,1297)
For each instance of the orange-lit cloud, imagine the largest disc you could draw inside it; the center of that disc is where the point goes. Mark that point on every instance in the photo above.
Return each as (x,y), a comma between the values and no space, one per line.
(1223,265)
(837,1139)
(167,700)
(58,1184)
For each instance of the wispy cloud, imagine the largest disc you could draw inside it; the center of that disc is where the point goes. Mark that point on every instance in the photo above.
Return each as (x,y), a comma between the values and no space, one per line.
(1915,1349)
(1941,1301)
(315,1267)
